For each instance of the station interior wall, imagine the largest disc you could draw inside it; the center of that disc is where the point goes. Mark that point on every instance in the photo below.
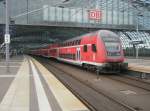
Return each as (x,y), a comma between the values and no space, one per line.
(114,12)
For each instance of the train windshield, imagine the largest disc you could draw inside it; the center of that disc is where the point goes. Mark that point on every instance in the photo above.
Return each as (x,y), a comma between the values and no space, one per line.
(113,47)
(112,43)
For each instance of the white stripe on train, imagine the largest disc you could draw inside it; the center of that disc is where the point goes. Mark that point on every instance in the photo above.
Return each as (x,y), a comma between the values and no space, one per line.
(80,62)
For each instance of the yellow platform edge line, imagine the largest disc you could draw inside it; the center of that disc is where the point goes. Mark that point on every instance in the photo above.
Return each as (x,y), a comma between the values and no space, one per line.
(65,98)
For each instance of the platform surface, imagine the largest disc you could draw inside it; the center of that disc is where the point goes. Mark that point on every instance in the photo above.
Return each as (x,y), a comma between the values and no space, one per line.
(140,65)
(29,86)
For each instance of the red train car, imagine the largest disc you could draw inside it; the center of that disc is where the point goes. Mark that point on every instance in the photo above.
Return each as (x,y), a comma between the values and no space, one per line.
(97,50)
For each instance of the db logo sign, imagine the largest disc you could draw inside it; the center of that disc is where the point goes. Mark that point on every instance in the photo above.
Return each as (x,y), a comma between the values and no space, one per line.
(95,14)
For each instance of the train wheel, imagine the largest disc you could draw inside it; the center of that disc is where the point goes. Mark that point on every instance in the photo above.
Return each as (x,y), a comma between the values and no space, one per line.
(84,66)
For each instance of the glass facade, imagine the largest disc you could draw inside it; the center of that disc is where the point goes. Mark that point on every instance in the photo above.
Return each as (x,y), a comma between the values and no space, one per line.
(114,12)
(129,48)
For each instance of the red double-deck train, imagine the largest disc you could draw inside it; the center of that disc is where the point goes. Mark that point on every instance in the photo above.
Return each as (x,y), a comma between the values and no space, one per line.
(99,50)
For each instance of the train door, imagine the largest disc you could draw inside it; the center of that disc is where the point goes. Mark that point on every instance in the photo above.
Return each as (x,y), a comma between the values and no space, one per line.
(78,54)
(57,53)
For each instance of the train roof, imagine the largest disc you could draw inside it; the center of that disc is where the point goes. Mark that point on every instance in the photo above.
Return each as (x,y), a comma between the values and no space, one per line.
(105,33)
(79,37)
(100,32)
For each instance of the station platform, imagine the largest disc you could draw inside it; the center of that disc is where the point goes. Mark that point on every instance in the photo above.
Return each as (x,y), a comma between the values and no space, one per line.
(29,86)
(139,65)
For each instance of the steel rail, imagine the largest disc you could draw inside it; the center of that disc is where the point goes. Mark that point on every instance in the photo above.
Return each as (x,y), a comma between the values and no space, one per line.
(87,84)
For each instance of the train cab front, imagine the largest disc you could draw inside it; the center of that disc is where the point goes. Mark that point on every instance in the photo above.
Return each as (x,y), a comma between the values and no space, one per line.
(114,57)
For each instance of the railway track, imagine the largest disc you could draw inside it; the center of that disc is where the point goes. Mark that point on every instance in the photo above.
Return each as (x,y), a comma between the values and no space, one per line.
(135,82)
(94,98)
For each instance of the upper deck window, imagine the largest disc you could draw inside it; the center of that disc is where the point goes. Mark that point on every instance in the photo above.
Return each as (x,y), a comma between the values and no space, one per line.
(79,41)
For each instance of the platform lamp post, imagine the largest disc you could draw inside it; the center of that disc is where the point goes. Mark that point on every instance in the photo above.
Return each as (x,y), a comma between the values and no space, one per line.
(137,24)
(7,35)
(137,30)
(27,10)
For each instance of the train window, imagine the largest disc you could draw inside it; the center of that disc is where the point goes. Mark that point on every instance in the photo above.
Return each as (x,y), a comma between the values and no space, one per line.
(85,48)
(94,48)
(76,42)
(69,43)
(79,41)
(73,42)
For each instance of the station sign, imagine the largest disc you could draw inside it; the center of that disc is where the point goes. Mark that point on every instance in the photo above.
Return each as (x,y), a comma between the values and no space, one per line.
(95,14)
(7,38)
(136,42)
